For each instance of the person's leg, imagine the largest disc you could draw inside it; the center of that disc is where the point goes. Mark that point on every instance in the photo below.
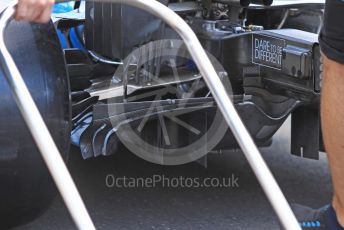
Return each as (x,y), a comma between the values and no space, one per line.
(332,98)
(330,217)
(332,114)
(331,39)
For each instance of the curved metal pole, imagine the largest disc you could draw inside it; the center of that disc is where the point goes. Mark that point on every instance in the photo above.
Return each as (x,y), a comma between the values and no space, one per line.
(40,132)
(256,161)
(252,154)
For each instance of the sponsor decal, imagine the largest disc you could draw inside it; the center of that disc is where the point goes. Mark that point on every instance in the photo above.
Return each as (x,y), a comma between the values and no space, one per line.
(267,51)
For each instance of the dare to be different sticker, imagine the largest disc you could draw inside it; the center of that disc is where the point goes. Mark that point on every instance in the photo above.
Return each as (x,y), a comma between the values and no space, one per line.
(267,51)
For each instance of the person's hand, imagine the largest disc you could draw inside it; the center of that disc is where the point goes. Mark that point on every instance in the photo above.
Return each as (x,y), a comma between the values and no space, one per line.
(34,10)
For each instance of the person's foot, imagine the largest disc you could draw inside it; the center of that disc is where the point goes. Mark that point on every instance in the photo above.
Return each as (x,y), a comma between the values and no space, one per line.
(318,219)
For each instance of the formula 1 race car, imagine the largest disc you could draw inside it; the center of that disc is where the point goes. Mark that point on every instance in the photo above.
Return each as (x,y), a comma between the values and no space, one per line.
(105,75)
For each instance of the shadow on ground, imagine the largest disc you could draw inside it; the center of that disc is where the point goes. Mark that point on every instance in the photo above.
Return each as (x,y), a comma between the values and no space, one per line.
(303,181)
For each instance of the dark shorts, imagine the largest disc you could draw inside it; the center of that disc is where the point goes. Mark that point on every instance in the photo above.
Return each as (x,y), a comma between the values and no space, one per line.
(332,35)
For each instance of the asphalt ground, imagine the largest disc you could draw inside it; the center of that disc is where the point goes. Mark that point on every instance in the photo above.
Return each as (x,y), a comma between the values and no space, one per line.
(241,206)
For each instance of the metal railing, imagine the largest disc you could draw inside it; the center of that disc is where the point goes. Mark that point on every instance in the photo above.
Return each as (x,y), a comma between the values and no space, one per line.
(51,154)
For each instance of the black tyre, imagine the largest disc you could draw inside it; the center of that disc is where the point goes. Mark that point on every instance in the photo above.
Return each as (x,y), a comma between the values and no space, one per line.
(26,186)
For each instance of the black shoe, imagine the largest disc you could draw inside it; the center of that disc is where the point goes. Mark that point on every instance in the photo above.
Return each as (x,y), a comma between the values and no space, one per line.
(317,219)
